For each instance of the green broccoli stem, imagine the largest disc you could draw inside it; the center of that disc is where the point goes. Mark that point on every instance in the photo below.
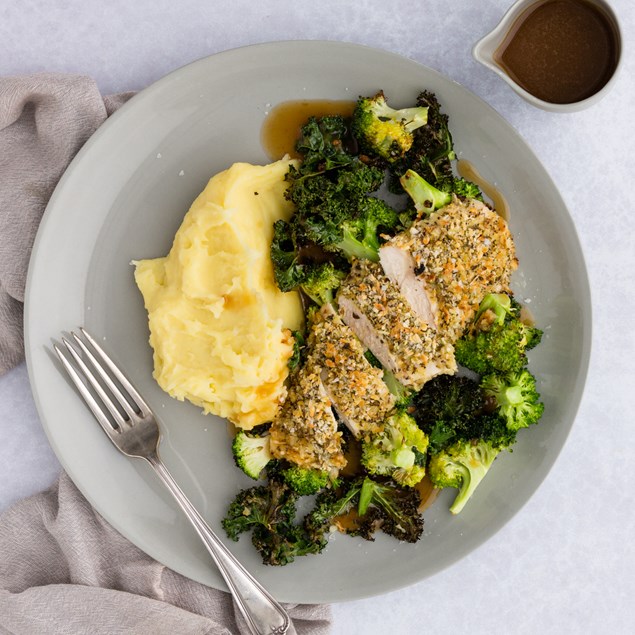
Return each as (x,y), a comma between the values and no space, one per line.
(365,496)
(403,396)
(425,196)
(469,482)
(404,458)
(327,296)
(499,303)
(472,477)
(512,396)
(473,472)
(368,249)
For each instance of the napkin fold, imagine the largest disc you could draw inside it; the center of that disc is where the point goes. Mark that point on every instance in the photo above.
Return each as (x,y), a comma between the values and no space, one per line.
(44,120)
(63,568)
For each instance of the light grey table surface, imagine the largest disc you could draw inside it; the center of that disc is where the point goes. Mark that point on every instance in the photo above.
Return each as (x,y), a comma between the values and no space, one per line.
(565,563)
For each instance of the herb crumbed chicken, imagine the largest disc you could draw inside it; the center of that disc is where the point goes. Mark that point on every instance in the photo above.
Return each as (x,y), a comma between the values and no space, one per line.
(462,252)
(380,316)
(336,374)
(360,396)
(304,431)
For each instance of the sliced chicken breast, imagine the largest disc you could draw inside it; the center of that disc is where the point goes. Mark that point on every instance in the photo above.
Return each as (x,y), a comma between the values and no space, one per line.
(460,253)
(399,267)
(382,319)
(359,395)
(305,429)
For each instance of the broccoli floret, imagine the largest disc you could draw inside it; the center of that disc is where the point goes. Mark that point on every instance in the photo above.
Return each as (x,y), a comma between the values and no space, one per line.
(449,398)
(515,396)
(346,223)
(384,131)
(305,481)
(500,304)
(425,197)
(491,427)
(322,144)
(432,154)
(453,409)
(497,340)
(321,282)
(446,409)
(398,451)
(462,188)
(463,465)
(329,505)
(390,508)
(251,453)
(269,510)
(360,237)
(499,349)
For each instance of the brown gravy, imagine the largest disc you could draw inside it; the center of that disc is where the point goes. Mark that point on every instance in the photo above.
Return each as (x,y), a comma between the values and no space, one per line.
(561,51)
(527,317)
(499,202)
(353,456)
(281,128)
(428,493)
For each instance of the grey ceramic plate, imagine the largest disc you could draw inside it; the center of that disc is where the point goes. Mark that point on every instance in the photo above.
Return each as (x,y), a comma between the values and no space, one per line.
(123,198)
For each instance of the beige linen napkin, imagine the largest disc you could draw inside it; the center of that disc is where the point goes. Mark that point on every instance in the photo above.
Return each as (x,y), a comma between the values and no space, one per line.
(63,569)
(44,120)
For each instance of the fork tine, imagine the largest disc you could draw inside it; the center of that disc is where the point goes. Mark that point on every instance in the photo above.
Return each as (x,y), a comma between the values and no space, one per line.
(114,369)
(94,382)
(91,402)
(121,399)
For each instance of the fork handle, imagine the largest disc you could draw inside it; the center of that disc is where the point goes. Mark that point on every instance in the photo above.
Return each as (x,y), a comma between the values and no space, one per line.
(263,614)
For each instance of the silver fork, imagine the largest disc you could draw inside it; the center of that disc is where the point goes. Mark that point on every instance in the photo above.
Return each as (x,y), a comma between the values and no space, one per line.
(133,429)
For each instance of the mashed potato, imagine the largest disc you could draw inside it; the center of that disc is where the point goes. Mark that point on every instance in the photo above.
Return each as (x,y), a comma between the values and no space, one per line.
(219,325)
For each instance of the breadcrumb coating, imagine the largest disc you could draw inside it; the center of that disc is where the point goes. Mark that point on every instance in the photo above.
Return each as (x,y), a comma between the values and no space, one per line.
(305,429)
(462,252)
(360,396)
(414,346)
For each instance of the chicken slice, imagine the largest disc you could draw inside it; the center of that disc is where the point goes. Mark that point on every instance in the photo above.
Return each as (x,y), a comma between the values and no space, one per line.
(359,394)
(305,429)
(399,267)
(459,254)
(382,319)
